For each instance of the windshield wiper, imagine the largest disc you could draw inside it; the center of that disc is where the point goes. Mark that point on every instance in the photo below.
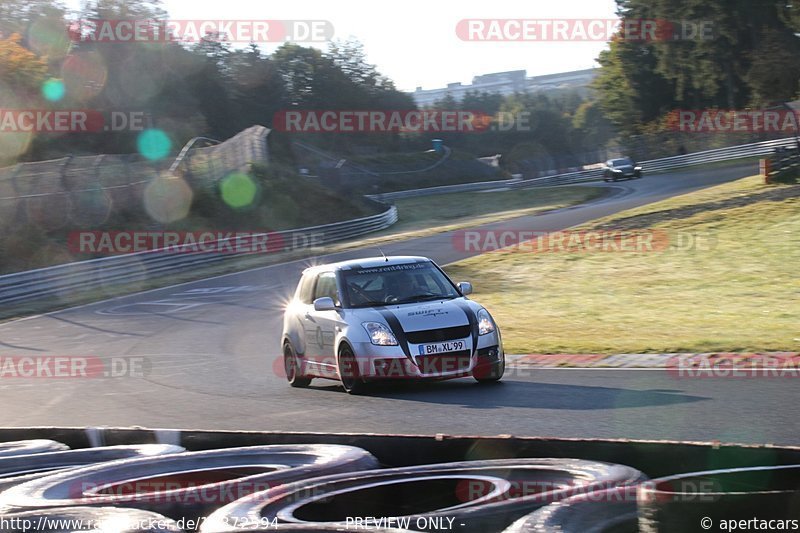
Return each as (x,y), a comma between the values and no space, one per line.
(369,304)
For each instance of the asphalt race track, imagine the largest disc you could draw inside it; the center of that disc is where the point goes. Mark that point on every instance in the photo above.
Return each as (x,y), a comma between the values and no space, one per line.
(209,351)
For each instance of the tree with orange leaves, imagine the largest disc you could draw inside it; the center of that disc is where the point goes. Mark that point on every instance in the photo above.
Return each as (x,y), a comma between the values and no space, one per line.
(20,68)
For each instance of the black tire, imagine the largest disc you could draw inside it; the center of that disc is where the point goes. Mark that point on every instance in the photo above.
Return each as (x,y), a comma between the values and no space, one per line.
(494,373)
(429,491)
(205,480)
(24,468)
(349,375)
(292,368)
(28,447)
(680,502)
(605,511)
(100,519)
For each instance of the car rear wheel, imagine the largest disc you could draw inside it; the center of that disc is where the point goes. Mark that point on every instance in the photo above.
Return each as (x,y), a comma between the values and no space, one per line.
(348,371)
(292,367)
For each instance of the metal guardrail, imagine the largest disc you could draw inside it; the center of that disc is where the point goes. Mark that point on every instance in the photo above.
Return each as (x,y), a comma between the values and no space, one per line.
(730,153)
(65,279)
(445,189)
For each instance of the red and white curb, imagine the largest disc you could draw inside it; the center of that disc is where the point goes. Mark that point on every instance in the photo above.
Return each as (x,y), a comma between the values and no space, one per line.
(654,360)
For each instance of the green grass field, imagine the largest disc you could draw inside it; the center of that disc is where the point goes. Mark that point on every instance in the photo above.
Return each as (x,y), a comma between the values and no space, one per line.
(738,291)
(470,209)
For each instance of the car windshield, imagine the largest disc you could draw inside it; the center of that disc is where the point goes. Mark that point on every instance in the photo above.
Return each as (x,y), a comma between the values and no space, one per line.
(621,162)
(397,284)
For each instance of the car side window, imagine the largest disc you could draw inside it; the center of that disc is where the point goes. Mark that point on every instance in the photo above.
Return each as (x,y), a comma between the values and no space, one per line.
(326,286)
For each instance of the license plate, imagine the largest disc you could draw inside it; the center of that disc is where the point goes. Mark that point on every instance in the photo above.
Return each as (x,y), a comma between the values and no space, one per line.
(442,347)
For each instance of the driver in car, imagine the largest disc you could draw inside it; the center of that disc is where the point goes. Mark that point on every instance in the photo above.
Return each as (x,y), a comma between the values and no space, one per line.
(400,286)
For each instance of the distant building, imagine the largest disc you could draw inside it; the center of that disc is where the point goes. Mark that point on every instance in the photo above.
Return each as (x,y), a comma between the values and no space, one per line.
(506,83)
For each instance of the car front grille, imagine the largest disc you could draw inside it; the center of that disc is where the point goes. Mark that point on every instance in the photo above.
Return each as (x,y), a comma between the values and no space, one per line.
(444,362)
(438,335)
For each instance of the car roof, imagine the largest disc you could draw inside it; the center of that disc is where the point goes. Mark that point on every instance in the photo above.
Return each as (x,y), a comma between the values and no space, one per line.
(369,262)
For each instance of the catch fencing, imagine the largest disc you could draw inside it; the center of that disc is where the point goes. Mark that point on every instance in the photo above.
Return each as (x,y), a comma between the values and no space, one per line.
(51,193)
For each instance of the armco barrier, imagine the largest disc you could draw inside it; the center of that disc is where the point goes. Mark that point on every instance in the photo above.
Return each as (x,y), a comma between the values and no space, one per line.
(446,189)
(730,153)
(107,271)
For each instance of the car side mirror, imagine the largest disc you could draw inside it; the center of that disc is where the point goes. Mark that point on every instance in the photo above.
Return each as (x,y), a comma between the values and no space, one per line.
(324,304)
(465,287)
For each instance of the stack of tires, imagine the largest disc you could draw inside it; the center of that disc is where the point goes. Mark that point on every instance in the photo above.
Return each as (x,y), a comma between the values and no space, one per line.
(46,487)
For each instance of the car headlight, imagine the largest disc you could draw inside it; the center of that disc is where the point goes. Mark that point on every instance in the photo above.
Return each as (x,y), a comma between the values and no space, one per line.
(379,334)
(485,323)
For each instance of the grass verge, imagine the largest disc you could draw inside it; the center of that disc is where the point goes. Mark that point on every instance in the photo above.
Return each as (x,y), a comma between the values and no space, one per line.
(732,285)
(460,210)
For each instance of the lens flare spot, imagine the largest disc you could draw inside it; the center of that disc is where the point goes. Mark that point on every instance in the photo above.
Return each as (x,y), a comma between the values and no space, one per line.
(167,199)
(53,89)
(84,74)
(153,144)
(12,143)
(238,190)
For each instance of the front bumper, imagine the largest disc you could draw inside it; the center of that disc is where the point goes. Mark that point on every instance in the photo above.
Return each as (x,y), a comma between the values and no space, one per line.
(391,362)
(626,174)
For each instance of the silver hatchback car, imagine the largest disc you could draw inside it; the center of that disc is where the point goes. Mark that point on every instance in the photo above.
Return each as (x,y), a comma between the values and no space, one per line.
(387,318)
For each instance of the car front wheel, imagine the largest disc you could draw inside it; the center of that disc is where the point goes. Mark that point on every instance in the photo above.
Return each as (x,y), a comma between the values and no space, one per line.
(348,371)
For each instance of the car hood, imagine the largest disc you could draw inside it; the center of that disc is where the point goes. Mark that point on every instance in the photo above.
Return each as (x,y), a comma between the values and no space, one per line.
(421,316)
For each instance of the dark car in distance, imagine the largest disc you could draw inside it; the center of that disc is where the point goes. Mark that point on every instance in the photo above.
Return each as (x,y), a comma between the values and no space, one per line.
(621,168)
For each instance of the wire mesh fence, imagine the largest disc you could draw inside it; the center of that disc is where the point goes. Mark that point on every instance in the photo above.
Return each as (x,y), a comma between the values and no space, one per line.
(81,188)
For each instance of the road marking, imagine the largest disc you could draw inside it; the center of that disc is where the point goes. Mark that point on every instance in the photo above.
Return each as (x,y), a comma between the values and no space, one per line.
(169,308)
